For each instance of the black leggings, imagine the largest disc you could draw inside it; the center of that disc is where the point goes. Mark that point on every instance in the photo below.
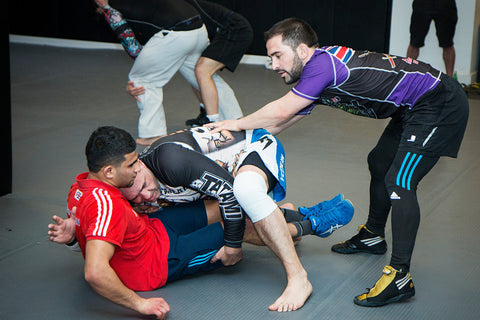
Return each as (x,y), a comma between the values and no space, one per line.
(394,179)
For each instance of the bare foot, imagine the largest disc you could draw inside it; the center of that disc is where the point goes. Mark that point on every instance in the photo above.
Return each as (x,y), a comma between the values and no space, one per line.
(147,141)
(296,293)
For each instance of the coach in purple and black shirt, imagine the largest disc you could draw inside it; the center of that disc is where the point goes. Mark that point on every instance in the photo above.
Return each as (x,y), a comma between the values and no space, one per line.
(428,111)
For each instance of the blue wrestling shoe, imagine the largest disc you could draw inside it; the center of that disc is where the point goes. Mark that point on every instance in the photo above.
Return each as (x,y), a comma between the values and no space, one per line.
(325,223)
(321,207)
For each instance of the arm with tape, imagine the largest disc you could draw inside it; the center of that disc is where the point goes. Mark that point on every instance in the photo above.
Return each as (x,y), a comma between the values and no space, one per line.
(122,31)
(178,166)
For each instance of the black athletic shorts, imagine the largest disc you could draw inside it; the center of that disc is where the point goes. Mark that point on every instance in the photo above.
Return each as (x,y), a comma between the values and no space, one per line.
(230,42)
(442,12)
(436,123)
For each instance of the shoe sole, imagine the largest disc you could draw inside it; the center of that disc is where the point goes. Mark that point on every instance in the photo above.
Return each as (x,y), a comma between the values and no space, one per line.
(352,251)
(401,297)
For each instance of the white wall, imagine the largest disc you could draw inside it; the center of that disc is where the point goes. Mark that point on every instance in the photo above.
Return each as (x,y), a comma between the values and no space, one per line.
(466,40)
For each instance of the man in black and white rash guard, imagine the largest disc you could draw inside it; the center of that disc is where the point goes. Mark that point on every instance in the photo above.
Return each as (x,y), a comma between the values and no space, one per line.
(239,169)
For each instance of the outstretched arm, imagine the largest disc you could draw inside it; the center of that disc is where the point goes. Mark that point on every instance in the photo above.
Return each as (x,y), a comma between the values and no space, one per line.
(275,116)
(103,279)
(279,128)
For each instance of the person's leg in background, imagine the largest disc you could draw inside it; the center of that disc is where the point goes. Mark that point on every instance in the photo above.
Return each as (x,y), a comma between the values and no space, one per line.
(153,69)
(419,26)
(204,71)
(228,106)
(445,24)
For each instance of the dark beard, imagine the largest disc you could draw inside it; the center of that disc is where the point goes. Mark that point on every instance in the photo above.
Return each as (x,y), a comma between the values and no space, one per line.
(296,71)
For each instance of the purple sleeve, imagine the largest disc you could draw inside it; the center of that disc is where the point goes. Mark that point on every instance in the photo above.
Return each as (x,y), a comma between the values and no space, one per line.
(317,74)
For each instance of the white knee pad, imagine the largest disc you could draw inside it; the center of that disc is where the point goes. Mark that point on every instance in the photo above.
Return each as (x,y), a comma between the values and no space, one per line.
(251,193)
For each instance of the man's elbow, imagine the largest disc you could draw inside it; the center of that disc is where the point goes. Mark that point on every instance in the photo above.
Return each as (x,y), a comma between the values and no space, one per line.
(93,276)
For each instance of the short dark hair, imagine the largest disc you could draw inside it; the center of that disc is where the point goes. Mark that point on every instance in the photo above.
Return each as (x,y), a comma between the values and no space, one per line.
(294,31)
(108,145)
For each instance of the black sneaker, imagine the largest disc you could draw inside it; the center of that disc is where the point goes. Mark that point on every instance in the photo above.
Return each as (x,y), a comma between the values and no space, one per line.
(364,241)
(199,121)
(393,286)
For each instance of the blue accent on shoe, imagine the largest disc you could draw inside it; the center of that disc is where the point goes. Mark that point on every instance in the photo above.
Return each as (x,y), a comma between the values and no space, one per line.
(325,223)
(321,207)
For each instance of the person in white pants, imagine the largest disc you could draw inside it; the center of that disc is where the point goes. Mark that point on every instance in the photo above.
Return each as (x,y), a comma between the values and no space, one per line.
(154,68)
(166,51)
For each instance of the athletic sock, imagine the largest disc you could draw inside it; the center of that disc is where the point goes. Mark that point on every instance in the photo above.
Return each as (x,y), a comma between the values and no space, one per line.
(213,117)
(292,215)
(303,228)
(307,227)
(299,229)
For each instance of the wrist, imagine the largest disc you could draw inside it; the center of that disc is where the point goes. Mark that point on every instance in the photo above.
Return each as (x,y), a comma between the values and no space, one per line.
(239,123)
(72,242)
(232,244)
(233,249)
(139,304)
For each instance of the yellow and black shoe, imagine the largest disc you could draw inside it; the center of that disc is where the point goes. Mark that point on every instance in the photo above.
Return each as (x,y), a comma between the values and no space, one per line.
(393,286)
(365,241)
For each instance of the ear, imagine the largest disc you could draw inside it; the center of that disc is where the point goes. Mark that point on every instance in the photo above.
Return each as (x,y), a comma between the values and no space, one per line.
(108,171)
(303,51)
